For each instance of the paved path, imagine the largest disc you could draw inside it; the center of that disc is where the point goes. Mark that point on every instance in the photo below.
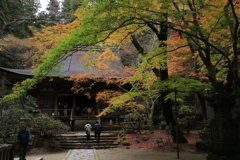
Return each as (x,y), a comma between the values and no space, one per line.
(81,154)
(119,154)
(31,158)
(74,154)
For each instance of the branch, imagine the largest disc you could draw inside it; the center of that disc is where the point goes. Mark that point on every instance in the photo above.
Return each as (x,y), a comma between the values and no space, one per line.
(137,45)
(199,38)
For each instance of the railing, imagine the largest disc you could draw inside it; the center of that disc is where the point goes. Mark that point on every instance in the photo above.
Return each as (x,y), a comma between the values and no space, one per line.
(6,152)
(60,112)
(56,112)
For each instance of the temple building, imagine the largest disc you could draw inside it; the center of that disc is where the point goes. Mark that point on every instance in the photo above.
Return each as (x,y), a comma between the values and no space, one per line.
(52,94)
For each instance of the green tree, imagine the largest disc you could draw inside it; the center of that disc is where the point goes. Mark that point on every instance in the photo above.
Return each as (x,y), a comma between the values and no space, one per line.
(53,13)
(121,22)
(68,9)
(16,16)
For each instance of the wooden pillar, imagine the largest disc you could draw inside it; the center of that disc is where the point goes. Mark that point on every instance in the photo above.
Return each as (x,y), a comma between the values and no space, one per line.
(56,105)
(116,121)
(97,108)
(74,105)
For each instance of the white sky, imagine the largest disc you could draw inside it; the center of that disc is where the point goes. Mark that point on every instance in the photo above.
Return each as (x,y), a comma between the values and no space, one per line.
(44,4)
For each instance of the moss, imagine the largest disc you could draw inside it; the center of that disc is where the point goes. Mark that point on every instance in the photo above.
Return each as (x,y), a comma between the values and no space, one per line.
(126,143)
(123,135)
(123,138)
(120,133)
(145,138)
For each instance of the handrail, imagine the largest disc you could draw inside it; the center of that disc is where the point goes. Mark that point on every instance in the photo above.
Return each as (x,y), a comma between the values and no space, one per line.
(6,152)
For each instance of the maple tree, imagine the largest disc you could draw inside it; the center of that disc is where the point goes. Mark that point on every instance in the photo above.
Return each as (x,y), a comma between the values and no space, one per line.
(213,42)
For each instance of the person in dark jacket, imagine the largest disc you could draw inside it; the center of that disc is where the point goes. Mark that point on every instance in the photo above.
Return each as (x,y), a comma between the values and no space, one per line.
(72,123)
(97,129)
(24,136)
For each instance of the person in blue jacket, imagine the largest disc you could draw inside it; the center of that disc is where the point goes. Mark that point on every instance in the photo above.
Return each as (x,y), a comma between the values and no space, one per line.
(24,136)
(97,129)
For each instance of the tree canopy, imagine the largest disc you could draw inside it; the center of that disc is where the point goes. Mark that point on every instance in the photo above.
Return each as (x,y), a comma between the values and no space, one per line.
(202,36)
(16,16)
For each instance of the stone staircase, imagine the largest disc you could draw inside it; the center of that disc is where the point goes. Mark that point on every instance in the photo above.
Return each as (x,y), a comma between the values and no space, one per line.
(78,140)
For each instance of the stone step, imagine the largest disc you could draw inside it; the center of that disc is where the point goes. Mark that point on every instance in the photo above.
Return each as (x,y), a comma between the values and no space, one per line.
(84,140)
(84,133)
(78,141)
(89,143)
(89,147)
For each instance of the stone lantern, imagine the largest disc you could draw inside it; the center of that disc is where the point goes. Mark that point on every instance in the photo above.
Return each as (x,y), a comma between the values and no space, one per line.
(224,143)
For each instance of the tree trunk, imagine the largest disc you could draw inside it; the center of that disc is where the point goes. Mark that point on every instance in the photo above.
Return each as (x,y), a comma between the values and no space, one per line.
(170,119)
(163,75)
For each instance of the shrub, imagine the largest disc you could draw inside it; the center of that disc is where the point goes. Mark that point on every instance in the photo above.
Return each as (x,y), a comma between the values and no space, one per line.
(52,144)
(40,125)
(159,140)
(40,144)
(130,131)
(123,138)
(123,135)
(120,133)
(151,131)
(145,138)
(125,143)
(137,141)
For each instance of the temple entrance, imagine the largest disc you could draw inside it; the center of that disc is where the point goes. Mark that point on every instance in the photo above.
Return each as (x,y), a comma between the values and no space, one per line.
(65,100)
(83,102)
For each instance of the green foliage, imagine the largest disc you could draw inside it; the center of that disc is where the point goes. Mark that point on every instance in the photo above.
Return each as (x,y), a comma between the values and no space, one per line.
(123,138)
(191,121)
(159,140)
(123,135)
(16,16)
(126,143)
(130,130)
(68,9)
(42,126)
(185,109)
(145,138)
(48,126)
(24,102)
(11,118)
(54,15)
(115,22)
(151,130)
(120,133)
